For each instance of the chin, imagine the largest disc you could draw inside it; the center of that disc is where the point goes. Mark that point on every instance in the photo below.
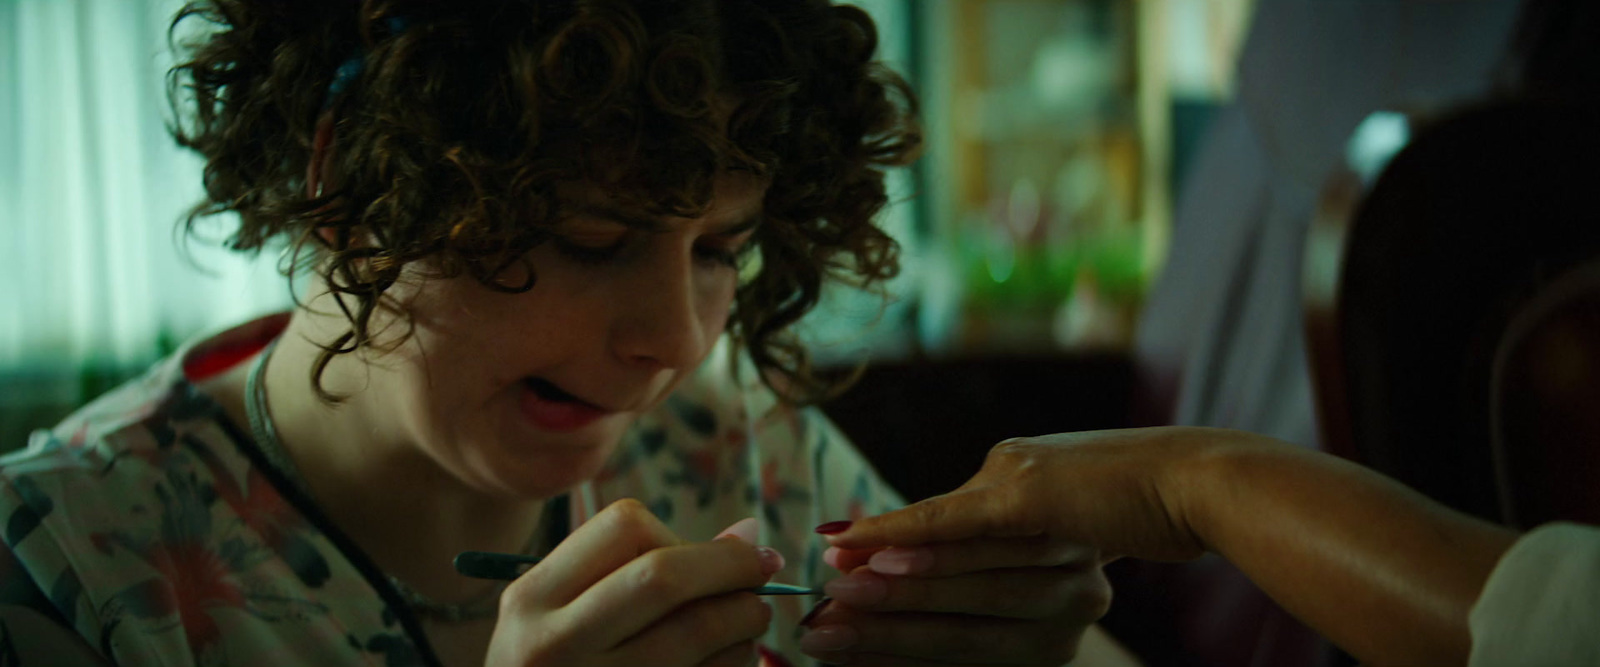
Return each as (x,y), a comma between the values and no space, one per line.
(550,468)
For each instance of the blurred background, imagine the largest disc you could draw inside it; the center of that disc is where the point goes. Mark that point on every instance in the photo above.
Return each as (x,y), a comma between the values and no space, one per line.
(1130,212)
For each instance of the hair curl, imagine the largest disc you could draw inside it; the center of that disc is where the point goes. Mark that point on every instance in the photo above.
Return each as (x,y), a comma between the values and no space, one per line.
(466,115)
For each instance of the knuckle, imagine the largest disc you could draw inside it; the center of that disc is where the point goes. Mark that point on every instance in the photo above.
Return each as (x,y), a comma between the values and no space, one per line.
(629,513)
(1097,597)
(1055,597)
(928,511)
(1072,596)
(517,596)
(521,596)
(1061,552)
(653,576)
(1007,452)
(1014,463)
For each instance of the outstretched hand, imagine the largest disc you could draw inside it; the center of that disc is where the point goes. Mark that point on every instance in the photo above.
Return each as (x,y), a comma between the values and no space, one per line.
(1115,490)
(1326,538)
(1007,568)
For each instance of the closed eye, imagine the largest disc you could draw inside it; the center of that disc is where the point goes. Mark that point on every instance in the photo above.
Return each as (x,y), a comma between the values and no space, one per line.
(725,256)
(730,247)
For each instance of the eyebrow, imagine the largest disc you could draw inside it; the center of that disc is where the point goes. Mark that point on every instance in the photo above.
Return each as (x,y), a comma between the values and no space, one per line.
(655,225)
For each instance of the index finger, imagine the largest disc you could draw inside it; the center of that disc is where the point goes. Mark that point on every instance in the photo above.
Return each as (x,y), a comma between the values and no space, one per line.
(620,533)
(649,588)
(946,559)
(959,515)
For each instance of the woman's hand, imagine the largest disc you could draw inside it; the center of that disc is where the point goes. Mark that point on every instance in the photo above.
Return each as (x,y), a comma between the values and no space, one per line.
(998,571)
(623,590)
(1124,492)
(1009,601)
(1386,573)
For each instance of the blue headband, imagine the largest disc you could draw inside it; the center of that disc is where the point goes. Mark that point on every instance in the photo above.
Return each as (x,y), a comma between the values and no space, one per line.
(351,68)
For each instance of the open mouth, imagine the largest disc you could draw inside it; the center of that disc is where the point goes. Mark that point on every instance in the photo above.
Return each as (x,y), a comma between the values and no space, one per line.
(552,408)
(548,391)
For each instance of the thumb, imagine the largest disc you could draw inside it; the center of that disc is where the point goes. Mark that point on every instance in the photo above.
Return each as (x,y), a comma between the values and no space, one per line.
(748,530)
(958,515)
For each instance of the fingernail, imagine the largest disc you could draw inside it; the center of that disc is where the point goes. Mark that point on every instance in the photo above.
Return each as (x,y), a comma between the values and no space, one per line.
(829,638)
(833,527)
(858,589)
(897,560)
(815,609)
(748,530)
(771,560)
(831,556)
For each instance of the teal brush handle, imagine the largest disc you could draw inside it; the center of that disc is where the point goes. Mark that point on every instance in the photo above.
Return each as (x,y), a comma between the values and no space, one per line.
(491,565)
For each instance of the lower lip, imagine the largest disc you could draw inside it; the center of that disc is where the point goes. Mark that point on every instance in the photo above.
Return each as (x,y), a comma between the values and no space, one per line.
(558,416)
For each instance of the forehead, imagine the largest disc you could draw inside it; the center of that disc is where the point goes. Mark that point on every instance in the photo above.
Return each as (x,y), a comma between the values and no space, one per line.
(737,195)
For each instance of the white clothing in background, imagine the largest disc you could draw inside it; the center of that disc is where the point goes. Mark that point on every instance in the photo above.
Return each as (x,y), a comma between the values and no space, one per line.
(1541,605)
(1225,314)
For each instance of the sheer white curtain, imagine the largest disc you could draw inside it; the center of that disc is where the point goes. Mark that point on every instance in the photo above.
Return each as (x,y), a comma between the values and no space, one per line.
(92,272)
(93,267)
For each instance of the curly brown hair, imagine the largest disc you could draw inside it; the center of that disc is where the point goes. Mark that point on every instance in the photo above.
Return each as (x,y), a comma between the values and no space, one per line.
(463,118)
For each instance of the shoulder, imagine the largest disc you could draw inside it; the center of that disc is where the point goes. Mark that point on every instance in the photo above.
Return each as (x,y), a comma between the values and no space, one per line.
(131,438)
(142,420)
(82,488)
(111,469)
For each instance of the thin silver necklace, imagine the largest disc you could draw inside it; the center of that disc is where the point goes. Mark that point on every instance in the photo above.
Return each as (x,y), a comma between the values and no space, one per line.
(485,605)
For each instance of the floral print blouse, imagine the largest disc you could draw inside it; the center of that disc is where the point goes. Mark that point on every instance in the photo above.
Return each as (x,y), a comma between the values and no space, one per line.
(149,527)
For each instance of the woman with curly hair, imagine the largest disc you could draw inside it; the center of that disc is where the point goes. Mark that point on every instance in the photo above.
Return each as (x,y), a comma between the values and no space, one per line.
(547,255)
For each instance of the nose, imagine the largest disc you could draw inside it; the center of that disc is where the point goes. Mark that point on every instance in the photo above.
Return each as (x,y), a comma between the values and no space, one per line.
(665,318)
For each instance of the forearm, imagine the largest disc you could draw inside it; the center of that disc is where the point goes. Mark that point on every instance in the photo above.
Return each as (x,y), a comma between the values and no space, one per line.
(1384,572)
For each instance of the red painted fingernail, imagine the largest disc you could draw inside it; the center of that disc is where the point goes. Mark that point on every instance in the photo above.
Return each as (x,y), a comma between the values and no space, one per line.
(833,527)
(815,610)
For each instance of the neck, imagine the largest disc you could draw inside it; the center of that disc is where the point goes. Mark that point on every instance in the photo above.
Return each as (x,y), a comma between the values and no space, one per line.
(406,511)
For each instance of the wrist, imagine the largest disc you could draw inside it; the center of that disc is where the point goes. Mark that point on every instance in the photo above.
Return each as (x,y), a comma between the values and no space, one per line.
(1208,478)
